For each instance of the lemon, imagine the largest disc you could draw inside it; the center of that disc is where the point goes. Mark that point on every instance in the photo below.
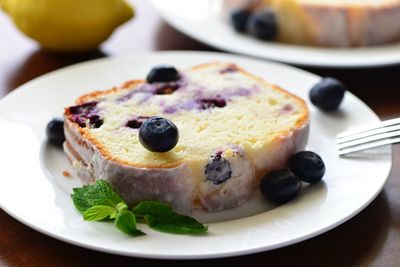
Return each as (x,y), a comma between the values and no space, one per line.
(68,25)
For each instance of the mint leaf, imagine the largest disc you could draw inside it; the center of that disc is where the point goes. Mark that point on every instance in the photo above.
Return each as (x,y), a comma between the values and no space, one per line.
(121,206)
(149,207)
(161,217)
(126,222)
(80,201)
(176,224)
(99,193)
(99,212)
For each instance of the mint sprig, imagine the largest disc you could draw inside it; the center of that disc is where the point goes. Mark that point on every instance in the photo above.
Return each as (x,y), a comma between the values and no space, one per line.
(99,193)
(98,202)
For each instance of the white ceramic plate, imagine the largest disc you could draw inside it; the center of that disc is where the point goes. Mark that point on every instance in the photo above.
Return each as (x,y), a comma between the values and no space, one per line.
(34,191)
(203,20)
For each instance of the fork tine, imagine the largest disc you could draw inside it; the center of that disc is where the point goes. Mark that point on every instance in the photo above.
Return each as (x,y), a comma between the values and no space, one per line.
(367,134)
(360,130)
(360,147)
(367,139)
(380,134)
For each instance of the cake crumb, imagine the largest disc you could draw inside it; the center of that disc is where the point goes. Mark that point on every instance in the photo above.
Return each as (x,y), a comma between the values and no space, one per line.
(66,174)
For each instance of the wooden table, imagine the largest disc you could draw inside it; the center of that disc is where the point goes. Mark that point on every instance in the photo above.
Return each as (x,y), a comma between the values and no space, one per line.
(372,238)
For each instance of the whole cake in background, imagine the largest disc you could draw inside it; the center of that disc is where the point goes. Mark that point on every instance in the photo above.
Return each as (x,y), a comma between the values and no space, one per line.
(332,23)
(233,129)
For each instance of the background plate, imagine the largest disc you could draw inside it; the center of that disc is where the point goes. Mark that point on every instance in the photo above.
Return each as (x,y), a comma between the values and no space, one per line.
(203,20)
(34,191)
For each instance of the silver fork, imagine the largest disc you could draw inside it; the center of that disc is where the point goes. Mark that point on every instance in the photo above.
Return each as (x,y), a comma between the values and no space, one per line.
(379,134)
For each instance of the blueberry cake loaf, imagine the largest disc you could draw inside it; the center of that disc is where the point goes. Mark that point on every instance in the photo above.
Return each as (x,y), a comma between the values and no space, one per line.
(337,23)
(233,128)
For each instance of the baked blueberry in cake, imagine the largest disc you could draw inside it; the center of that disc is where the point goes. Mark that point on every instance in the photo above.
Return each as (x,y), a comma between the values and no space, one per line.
(231,129)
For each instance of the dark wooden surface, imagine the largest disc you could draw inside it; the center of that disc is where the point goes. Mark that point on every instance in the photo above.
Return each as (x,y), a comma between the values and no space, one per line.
(372,238)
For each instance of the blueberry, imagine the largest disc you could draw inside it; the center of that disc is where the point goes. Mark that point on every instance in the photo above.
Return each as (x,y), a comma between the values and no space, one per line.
(136,123)
(207,103)
(162,73)
(80,120)
(86,114)
(263,25)
(280,186)
(239,19)
(55,131)
(308,165)
(83,109)
(218,170)
(158,134)
(95,121)
(166,89)
(327,94)
(229,69)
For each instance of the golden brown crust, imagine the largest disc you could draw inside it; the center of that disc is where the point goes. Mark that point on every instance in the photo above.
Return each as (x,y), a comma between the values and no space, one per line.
(86,137)
(100,93)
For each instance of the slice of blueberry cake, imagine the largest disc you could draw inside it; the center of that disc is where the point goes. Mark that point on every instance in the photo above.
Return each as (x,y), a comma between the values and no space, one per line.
(229,129)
